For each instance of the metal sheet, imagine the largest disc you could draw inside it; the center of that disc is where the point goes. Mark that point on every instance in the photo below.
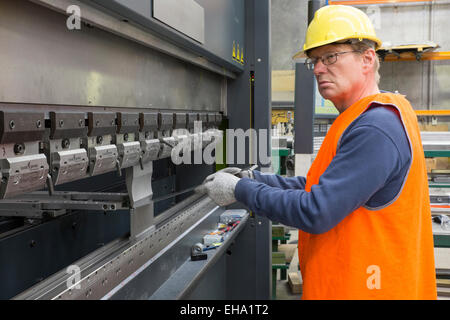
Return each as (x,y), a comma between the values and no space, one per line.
(186,16)
(224,29)
(80,67)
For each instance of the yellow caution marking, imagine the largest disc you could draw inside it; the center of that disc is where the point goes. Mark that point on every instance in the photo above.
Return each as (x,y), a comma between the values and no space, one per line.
(234,50)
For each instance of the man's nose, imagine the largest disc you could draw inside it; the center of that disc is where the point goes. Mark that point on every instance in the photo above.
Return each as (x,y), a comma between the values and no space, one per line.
(319,67)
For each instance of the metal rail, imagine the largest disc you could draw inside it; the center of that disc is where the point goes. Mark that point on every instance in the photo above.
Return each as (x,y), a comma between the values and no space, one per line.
(39,204)
(105,269)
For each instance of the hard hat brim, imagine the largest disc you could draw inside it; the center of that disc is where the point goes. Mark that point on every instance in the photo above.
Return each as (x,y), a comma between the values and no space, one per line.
(302,53)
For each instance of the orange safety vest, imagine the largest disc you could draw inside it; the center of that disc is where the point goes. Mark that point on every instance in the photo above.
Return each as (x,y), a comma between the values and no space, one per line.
(382,253)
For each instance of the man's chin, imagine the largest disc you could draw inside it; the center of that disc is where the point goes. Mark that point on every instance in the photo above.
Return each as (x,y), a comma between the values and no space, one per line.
(326,94)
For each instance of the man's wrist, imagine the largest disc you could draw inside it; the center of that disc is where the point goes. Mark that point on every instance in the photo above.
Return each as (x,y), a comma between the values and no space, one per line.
(247,174)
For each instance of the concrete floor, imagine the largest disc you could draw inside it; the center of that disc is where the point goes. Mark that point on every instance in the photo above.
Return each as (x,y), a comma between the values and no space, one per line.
(442,261)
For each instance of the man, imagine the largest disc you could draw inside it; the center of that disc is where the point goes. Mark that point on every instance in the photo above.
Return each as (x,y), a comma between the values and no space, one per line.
(363,211)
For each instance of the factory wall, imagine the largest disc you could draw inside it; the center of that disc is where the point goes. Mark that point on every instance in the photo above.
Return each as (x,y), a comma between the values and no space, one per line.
(425,83)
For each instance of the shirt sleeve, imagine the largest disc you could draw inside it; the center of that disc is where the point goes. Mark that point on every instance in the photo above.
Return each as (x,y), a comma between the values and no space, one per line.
(278,181)
(365,161)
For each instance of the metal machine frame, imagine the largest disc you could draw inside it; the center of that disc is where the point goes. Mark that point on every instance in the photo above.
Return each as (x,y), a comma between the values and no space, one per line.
(92,207)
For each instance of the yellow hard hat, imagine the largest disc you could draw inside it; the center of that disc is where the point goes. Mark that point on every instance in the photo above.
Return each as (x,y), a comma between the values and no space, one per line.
(335,23)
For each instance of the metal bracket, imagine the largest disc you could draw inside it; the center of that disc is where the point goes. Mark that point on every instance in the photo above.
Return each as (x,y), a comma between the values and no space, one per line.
(22,168)
(102,159)
(69,165)
(167,144)
(139,186)
(129,153)
(39,204)
(23,174)
(21,126)
(68,161)
(150,149)
(103,155)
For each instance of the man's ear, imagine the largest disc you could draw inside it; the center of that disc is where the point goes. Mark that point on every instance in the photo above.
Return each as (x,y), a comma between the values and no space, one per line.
(368,59)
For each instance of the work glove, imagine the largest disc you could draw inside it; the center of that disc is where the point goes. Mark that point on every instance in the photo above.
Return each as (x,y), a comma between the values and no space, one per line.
(220,188)
(238,172)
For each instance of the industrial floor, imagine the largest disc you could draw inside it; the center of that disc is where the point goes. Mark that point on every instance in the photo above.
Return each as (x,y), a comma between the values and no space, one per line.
(442,261)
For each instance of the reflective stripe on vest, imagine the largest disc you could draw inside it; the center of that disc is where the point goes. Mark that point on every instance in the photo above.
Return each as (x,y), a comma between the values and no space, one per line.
(373,253)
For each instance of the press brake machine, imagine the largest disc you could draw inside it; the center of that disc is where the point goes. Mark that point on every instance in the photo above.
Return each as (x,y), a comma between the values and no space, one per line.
(92,204)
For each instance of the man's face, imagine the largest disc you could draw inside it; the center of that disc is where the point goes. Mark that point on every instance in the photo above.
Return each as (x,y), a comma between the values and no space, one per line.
(340,80)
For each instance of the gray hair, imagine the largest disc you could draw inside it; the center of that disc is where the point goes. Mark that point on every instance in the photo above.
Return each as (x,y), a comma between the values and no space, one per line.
(362,46)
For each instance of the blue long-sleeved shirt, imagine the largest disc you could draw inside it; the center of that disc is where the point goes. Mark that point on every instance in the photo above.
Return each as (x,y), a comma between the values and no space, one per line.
(369,170)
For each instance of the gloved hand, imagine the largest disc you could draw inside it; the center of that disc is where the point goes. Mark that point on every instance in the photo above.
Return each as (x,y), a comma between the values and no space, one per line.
(238,172)
(220,188)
